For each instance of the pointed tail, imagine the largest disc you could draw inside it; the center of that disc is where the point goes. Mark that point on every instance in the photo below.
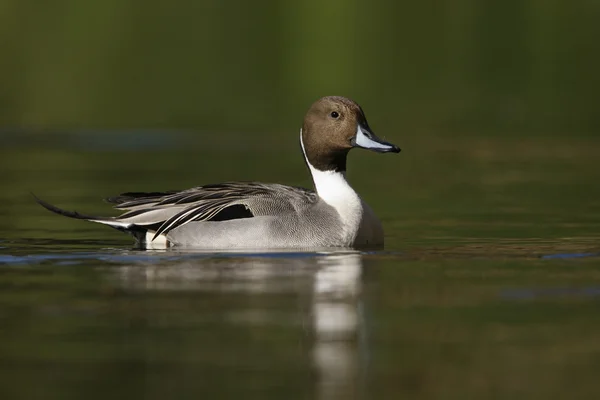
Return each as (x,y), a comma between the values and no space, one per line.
(122,226)
(143,234)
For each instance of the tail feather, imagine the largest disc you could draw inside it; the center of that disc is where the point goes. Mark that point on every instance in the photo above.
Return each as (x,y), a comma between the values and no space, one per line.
(122,226)
(139,232)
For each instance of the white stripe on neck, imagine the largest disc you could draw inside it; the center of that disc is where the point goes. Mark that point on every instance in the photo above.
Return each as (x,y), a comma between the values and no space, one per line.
(333,188)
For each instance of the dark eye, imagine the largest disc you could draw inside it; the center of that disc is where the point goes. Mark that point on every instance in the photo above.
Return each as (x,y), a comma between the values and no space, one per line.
(334,114)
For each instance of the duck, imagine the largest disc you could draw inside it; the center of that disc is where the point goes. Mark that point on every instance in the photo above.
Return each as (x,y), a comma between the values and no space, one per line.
(254,215)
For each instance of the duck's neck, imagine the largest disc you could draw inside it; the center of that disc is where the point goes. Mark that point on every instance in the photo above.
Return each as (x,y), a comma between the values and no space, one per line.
(333,188)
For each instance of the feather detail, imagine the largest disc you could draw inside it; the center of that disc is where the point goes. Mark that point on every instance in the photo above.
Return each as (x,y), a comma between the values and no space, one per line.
(158,213)
(219,202)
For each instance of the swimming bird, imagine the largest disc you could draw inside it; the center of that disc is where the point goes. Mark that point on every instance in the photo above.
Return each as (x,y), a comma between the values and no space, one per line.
(257,215)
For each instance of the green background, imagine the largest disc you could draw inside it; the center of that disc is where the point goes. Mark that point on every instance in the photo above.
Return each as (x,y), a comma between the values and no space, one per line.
(449,67)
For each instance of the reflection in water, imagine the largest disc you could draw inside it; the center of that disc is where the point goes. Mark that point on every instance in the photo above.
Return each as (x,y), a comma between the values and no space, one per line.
(334,284)
(337,325)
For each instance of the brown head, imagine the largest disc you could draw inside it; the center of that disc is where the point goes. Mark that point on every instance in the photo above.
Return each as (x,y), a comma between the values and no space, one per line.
(332,126)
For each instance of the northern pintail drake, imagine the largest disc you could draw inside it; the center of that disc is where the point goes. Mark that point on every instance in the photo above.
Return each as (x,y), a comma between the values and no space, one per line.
(261,215)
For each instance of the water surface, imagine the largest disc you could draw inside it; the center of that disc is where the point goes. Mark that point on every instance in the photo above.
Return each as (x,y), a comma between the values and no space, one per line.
(489,285)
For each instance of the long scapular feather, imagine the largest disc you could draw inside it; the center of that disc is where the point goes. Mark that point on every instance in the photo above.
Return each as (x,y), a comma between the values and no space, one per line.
(202,211)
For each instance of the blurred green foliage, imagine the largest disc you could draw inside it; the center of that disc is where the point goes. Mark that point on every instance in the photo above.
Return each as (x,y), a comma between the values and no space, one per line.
(448,66)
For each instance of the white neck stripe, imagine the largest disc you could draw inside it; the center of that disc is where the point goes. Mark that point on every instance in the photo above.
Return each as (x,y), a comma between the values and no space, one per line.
(333,188)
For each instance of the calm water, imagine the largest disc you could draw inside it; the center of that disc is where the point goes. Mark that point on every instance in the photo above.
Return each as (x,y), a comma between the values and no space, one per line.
(489,286)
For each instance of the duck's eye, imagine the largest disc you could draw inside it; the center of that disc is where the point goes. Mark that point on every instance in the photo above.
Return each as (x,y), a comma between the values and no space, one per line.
(334,114)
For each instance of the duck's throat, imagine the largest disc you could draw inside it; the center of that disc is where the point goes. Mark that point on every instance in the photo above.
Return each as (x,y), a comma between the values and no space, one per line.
(329,161)
(329,173)
(322,157)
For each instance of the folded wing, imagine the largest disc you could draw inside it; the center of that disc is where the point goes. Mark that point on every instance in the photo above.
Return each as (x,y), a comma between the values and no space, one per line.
(161,212)
(226,201)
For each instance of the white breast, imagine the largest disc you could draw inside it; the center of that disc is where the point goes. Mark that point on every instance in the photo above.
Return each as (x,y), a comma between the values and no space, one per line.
(334,190)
